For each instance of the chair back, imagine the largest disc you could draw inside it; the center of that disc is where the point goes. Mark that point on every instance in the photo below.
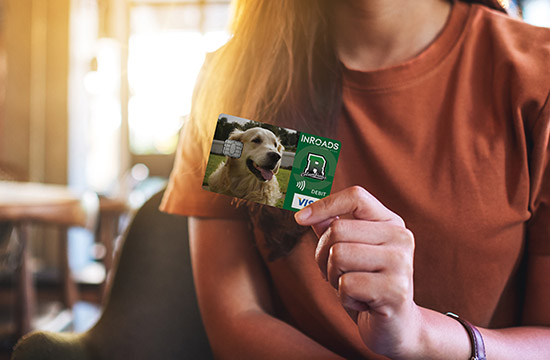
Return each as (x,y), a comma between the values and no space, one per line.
(151,311)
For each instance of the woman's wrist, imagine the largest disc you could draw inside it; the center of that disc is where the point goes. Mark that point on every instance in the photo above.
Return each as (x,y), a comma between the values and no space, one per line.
(440,337)
(416,338)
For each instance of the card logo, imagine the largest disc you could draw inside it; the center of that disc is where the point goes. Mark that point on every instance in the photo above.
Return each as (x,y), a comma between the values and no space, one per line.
(301,185)
(300,201)
(315,167)
(318,141)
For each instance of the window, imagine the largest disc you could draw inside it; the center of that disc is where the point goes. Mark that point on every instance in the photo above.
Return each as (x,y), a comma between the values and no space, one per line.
(167,45)
(537,12)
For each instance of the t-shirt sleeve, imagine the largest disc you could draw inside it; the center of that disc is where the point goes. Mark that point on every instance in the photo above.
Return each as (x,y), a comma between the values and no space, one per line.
(184,194)
(538,227)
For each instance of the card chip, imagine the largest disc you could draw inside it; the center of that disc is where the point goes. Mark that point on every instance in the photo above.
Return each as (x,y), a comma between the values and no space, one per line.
(232,148)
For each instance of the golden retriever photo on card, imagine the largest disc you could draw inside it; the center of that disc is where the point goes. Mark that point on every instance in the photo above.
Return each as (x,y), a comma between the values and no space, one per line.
(260,162)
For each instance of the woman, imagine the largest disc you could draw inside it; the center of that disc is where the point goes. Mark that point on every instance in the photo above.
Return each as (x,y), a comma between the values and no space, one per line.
(441,198)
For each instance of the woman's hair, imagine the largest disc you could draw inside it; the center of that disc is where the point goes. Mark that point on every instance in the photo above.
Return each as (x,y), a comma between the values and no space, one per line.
(279,67)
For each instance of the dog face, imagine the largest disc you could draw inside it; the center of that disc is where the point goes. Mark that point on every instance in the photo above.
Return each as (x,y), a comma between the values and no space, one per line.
(262,152)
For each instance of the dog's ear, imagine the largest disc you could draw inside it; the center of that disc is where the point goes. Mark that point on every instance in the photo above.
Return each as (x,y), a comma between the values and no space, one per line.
(236,134)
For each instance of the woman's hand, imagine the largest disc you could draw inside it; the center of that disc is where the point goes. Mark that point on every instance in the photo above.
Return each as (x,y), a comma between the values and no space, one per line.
(366,253)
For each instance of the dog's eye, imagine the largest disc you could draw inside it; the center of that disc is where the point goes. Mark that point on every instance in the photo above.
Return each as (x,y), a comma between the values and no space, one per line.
(257,140)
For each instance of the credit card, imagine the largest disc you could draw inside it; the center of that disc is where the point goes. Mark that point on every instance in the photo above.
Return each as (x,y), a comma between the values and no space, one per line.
(268,164)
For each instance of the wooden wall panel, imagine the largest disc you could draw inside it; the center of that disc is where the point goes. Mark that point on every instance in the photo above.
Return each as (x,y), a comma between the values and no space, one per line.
(14,138)
(34,131)
(56,110)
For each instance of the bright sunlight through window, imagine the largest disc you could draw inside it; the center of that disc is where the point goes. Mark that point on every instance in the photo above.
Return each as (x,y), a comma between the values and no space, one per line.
(165,57)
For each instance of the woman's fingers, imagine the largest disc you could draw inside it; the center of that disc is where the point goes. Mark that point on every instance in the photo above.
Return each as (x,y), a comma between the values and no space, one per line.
(352,257)
(344,232)
(375,292)
(321,227)
(369,263)
(354,201)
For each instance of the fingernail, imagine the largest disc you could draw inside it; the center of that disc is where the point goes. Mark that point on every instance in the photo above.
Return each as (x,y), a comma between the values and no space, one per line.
(303,214)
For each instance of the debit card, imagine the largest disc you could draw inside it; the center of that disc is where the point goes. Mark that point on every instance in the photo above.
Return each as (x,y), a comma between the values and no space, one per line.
(268,164)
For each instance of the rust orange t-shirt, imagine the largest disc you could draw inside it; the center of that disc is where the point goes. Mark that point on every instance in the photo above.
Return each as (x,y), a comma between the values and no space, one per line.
(455,141)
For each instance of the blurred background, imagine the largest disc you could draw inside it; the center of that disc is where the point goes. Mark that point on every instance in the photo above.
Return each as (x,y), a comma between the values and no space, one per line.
(92,96)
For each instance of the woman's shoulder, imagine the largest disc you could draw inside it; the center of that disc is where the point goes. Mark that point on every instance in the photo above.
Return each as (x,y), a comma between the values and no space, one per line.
(506,23)
(511,39)
(516,54)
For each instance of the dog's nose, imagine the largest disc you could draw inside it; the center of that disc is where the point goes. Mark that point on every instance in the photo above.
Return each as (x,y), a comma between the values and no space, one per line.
(273,157)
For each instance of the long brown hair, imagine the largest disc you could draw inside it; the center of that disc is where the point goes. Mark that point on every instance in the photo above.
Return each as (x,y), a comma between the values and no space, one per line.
(275,68)
(279,67)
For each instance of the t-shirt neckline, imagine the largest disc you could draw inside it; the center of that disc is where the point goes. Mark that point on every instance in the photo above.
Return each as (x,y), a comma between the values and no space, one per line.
(416,67)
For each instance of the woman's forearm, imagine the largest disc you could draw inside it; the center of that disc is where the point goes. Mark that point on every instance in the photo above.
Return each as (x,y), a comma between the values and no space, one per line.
(518,343)
(235,300)
(445,338)
(257,335)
